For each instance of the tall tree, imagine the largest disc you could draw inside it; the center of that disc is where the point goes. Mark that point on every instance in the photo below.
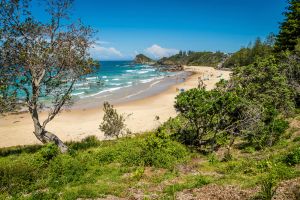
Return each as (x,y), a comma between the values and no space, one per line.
(290,27)
(41,61)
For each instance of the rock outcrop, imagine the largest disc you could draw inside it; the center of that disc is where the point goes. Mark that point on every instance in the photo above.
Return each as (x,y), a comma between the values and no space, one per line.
(142,59)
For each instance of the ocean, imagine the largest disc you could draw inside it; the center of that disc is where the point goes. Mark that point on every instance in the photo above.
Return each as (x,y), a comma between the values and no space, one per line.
(116,75)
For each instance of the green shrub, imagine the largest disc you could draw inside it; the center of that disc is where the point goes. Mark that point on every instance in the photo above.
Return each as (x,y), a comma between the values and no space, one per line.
(49,151)
(296,139)
(19,150)
(113,124)
(18,176)
(86,143)
(160,151)
(209,115)
(65,169)
(213,159)
(268,132)
(125,151)
(268,188)
(153,150)
(293,157)
(44,195)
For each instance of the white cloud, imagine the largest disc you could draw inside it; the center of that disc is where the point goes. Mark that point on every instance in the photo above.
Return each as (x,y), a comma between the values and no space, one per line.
(99,52)
(157,51)
(99,42)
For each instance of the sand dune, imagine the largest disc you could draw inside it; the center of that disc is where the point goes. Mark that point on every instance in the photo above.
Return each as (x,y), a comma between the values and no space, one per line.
(77,124)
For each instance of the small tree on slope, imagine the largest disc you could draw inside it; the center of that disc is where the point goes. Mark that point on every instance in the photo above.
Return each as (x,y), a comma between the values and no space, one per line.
(113,124)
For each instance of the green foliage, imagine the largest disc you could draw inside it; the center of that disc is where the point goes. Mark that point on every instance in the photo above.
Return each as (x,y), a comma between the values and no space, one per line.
(293,157)
(113,124)
(191,182)
(290,27)
(267,88)
(86,143)
(210,116)
(17,177)
(246,56)
(213,159)
(65,169)
(194,58)
(267,133)
(153,150)
(263,82)
(160,151)
(290,64)
(268,189)
(49,151)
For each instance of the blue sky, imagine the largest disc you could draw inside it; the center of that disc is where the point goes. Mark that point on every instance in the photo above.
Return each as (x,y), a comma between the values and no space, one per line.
(162,27)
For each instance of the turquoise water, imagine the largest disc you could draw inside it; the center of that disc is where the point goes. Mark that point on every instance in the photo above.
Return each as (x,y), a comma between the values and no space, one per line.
(115,75)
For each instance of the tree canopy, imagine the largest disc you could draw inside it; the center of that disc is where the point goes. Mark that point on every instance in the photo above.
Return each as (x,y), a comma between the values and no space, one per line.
(289,28)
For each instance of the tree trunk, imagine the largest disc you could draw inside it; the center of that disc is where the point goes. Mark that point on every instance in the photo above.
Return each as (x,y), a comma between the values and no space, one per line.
(45,136)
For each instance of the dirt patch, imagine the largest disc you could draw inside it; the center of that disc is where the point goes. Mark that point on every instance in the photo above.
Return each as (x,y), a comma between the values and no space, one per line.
(288,190)
(216,192)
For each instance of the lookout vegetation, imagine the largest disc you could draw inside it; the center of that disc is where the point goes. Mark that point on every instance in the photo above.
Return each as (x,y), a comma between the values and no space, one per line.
(41,60)
(237,141)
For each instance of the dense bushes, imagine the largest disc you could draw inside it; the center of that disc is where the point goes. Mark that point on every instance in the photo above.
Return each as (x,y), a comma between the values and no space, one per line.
(210,115)
(160,151)
(251,106)
(263,82)
(47,172)
(18,177)
(293,157)
(194,58)
(154,150)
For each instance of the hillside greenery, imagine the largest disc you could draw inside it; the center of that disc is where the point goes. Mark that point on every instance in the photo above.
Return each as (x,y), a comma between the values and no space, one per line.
(194,58)
(152,165)
(241,138)
(247,55)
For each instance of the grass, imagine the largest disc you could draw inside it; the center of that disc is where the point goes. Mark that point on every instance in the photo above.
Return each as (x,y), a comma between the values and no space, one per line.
(146,164)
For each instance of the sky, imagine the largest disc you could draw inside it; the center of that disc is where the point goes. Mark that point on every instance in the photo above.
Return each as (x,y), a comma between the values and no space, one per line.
(160,28)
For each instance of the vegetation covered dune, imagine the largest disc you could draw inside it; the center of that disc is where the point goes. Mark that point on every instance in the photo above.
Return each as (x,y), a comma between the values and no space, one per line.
(239,140)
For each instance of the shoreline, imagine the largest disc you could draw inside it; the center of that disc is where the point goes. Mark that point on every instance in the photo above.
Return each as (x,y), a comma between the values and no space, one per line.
(131,93)
(80,122)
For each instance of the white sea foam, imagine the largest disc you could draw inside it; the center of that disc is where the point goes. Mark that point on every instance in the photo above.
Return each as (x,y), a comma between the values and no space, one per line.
(83,88)
(156,82)
(81,84)
(104,76)
(77,93)
(116,79)
(143,72)
(103,96)
(103,91)
(147,80)
(131,70)
(132,95)
(92,78)
(116,84)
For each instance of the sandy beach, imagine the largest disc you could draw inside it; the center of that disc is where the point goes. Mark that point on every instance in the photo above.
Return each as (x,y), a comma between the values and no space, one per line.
(77,124)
